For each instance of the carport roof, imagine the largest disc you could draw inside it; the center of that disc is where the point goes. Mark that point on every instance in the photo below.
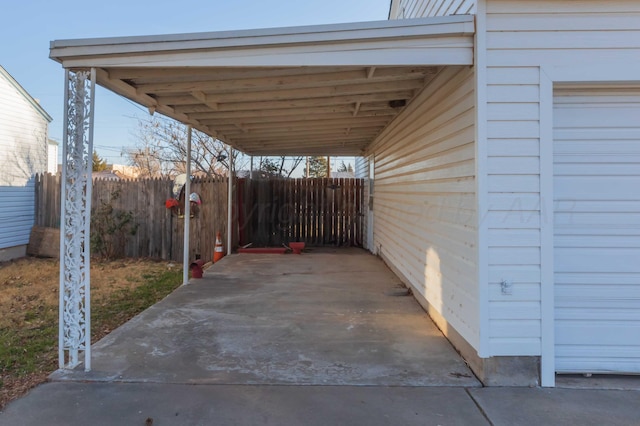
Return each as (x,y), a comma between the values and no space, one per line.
(315,90)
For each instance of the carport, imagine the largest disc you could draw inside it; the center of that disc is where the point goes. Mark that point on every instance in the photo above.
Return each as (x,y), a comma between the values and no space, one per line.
(320,90)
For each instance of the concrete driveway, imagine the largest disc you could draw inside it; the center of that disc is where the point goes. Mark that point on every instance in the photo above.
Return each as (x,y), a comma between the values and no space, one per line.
(326,317)
(307,340)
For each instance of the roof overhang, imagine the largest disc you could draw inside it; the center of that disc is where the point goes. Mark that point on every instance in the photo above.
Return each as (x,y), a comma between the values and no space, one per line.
(326,89)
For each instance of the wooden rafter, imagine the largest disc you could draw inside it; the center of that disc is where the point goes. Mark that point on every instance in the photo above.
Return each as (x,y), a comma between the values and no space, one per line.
(269,110)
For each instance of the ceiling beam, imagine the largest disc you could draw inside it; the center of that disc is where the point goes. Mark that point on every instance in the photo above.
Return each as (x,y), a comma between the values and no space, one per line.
(370,110)
(301,137)
(185,74)
(297,103)
(204,98)
(250,120)
(300,81)
(276,136)
(312,122)
(293,94)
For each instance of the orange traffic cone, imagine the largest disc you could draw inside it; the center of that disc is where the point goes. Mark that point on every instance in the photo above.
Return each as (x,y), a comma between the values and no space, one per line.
(218,252)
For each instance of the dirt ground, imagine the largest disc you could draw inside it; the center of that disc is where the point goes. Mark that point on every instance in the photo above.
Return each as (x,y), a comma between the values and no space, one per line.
(29,297)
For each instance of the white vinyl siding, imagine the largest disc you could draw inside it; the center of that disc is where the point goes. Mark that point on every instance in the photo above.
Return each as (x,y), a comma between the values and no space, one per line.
(431,8)
(52,158)
(23,153)
(424,206)
(523,38)
(597,230)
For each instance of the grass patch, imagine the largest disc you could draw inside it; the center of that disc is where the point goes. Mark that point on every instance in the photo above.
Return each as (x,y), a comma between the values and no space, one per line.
(118,307)
(29,305)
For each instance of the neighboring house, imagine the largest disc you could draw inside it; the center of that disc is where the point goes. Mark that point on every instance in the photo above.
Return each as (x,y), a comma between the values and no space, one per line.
(23,153)
(106,175)
(504,190)
(125,172)
(342,175)
(52,157)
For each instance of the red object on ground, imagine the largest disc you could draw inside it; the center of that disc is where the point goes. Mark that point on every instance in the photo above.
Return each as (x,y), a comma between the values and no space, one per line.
(263,250)
(196,268)
(297,247)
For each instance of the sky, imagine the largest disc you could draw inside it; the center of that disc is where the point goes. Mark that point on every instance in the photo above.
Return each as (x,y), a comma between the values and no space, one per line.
(27,27)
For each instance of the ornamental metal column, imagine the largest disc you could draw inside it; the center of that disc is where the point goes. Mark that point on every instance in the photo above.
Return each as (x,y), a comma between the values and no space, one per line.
(77,148)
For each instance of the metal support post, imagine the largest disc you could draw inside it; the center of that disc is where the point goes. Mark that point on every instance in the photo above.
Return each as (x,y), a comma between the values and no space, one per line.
(75,220)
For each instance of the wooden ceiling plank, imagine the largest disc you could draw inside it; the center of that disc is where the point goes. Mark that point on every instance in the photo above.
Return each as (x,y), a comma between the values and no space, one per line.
(279,137)
(296,103)
(286,82)
(321,148)
(252,122)
(309,123)
(235,132)
(292,115)
(308,93)
(170,74)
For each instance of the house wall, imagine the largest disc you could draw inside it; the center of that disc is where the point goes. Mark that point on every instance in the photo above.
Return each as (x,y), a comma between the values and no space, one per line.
(527,41)
(52,157)
(424,203)
(401,9)
(23,153)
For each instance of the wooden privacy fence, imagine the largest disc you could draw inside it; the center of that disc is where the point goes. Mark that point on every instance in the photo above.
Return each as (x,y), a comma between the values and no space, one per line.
(47,196)
(317,211)
(159,233)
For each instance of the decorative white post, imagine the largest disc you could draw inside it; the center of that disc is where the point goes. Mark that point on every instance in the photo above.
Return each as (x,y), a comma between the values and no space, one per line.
(75,218)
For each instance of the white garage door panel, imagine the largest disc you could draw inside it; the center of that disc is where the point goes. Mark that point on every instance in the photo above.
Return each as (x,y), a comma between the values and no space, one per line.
(596,187)
(591,311)
(597,230)
(597,292)
(602,148)
(618,116)
(608,330)
(623,280)
(577,259)
(594,241)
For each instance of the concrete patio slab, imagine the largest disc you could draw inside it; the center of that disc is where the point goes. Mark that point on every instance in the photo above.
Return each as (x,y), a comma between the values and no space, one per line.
(320,318)
(538,406)
(98,404)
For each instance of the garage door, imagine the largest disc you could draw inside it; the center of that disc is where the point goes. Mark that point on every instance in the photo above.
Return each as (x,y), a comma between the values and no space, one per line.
(597,230)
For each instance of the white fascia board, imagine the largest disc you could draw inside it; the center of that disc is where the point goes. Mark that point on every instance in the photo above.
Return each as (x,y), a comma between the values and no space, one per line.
(455,51)
(129,51)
